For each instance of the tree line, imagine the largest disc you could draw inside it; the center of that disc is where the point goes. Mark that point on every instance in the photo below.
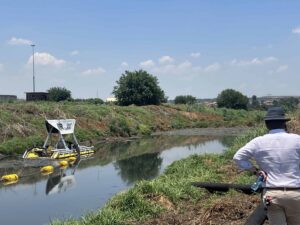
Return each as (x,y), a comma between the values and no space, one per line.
(141,88)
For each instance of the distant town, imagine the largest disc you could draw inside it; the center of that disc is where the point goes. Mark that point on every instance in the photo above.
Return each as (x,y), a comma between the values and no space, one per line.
(211,102)
(264,100)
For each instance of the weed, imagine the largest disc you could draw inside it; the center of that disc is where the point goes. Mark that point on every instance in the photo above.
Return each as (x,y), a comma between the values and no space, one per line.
(119,127)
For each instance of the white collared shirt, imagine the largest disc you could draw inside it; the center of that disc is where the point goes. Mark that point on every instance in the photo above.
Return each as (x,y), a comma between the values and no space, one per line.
(277,153)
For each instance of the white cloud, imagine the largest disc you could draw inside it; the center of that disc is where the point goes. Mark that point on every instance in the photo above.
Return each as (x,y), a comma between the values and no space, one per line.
(296,30)
(195,54)
(124,64)
(74,52)
(185,69)
(147,64)
(269,59)
(173,69)
(165,59)
(19,41)
(254,61)
(185,65)
(97,71)
(46,59)
(212,68)
(282,68)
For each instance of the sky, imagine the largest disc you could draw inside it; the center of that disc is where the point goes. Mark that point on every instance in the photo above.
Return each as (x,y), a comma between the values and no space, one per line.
(193,47)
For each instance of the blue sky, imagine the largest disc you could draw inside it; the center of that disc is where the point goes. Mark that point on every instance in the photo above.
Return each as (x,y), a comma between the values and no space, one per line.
(193,47)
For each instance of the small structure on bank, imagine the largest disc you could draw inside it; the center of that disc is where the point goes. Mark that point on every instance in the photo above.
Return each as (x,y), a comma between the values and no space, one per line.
(111,100)
(37,96)
(8,97)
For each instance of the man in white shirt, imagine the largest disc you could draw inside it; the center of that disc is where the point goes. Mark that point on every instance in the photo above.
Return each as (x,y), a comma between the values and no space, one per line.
(277,154)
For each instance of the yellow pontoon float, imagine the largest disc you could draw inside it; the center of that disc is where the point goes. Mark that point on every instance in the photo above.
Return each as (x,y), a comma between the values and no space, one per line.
(60,149)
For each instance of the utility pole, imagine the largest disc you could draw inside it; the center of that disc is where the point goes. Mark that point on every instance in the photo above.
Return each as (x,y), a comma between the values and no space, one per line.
(33,75)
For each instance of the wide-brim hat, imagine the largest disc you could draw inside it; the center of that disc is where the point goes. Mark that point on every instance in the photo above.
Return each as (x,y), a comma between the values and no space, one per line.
(275,113)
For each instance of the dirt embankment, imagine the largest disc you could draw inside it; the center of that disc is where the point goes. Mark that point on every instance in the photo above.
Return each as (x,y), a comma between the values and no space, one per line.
(221,131)
(224,210)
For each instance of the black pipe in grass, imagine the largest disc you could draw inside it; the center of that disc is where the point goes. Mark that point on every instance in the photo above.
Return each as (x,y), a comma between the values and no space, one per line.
(222,187)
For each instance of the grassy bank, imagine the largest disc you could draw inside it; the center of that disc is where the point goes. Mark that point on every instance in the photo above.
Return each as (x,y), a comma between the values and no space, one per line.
(172,191)
(22,123)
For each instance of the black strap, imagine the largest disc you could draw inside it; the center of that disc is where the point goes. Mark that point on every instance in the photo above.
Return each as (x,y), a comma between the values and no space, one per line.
(283,188)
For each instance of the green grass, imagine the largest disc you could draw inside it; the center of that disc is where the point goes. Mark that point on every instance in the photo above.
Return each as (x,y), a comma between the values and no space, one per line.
(22,123)
(139,204)
(17,145)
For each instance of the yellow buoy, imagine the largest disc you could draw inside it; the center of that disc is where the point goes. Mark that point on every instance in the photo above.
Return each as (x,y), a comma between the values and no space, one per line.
(63,163)
(10,178)
(32,155)
(47,170)
(72,159)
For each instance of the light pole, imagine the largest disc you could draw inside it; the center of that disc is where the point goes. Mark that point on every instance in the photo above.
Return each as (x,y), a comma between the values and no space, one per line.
(33,77)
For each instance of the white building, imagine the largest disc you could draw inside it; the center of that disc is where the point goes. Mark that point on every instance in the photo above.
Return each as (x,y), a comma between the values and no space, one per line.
(111,100)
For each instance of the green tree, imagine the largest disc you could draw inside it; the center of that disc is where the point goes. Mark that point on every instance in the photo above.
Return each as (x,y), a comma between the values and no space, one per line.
(232,99)
(185,99)
(289,104)
(143,167)
(139,88)
(59,94)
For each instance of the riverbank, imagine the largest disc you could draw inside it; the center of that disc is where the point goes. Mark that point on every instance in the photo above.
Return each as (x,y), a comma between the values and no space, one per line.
(221,131)
(22,124)
(171,197)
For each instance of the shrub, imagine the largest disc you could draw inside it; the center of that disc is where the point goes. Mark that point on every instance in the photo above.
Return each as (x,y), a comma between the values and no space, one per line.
(139,88)
(58,94)
(185,99)
(232,99)
(119,127)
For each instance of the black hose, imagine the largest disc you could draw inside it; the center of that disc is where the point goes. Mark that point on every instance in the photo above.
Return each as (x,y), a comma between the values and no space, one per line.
(222,187)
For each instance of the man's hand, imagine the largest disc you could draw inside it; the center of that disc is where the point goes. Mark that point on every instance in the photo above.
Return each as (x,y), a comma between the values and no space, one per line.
(258,172)
(263,174)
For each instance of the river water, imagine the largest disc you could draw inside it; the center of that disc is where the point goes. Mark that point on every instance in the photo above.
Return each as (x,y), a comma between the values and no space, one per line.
(72,192)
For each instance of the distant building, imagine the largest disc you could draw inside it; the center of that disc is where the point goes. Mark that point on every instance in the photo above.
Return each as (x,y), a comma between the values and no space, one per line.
(37,96)
(211,104)
(269,100)
(111,100)
(8,97)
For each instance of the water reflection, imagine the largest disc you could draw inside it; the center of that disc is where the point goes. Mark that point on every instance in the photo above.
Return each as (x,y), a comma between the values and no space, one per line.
(91,182)
(123,150)
(142,167)
(61,182)
(227,141)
